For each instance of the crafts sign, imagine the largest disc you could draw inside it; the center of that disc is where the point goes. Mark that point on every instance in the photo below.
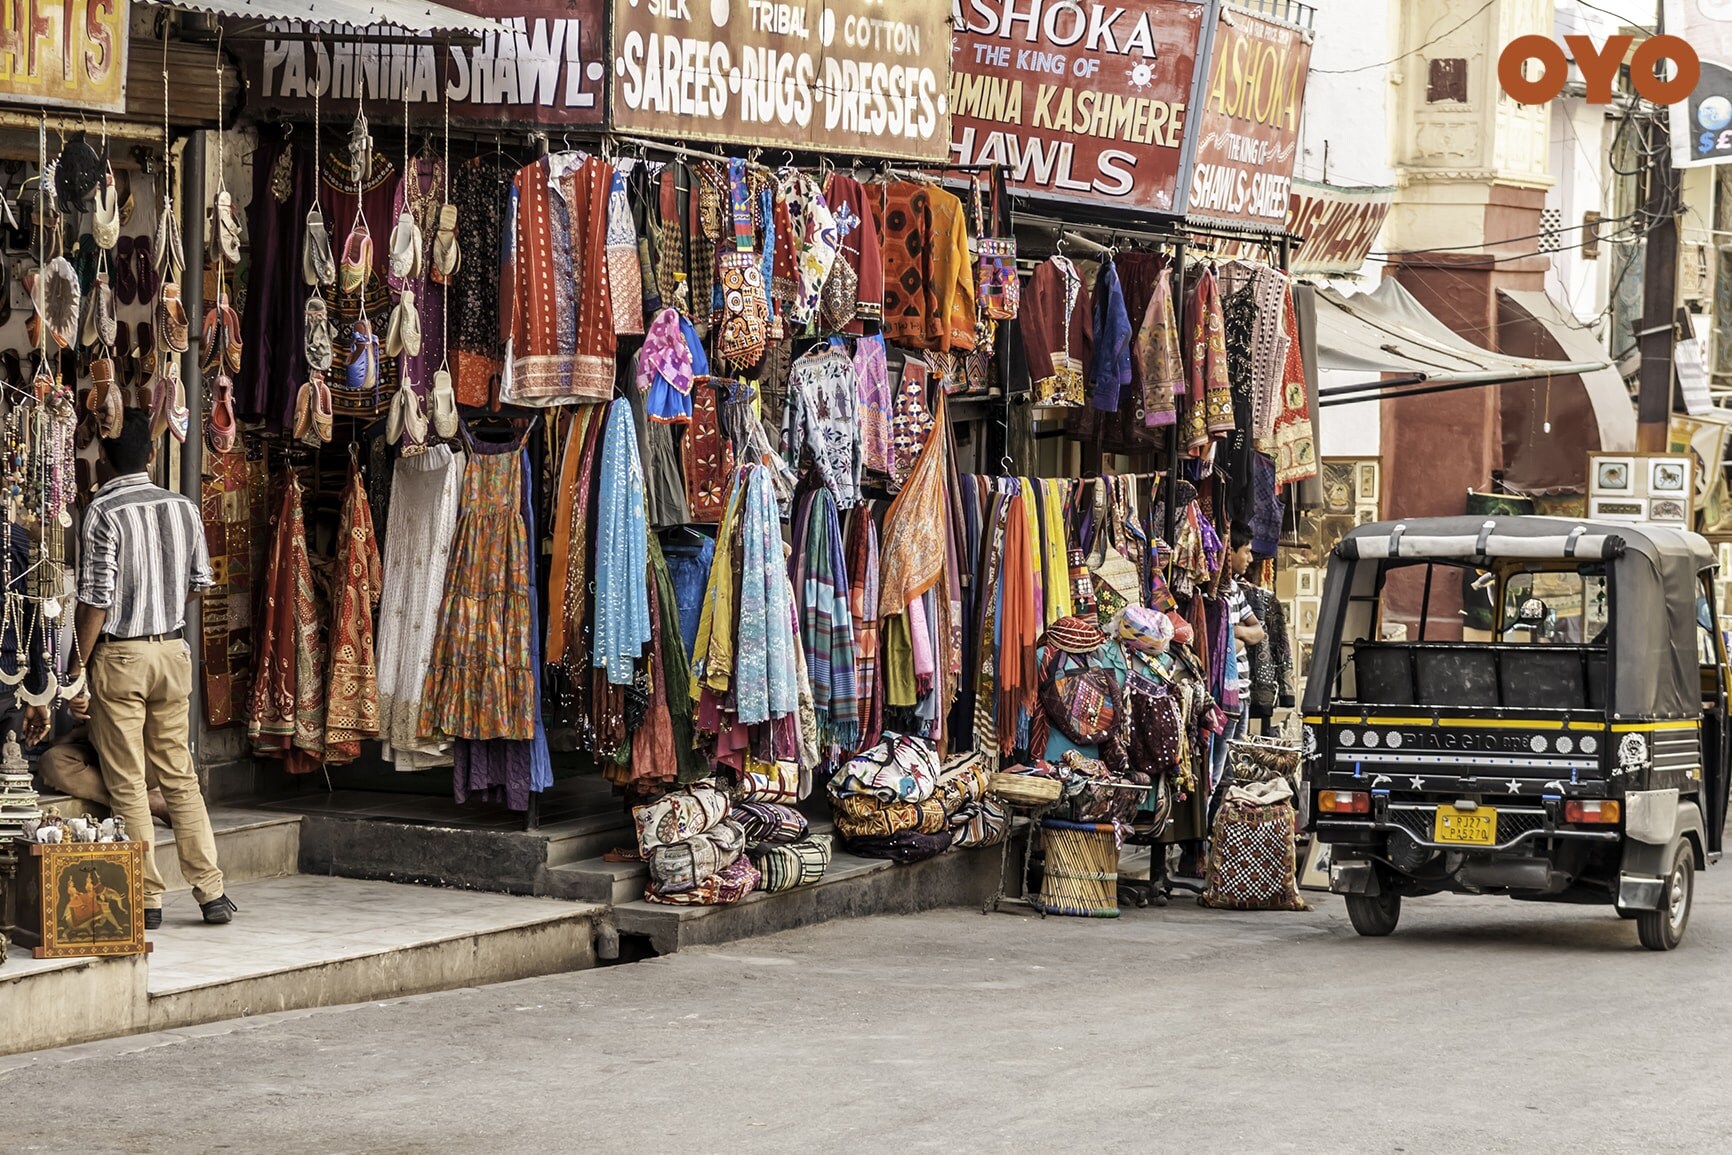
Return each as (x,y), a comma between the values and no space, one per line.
(70,54)
(1076,101)
(548,68)
(1247,128)
(846,78)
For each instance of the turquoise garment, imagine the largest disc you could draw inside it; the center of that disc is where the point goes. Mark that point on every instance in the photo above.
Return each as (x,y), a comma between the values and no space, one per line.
(622,615)
(764,682)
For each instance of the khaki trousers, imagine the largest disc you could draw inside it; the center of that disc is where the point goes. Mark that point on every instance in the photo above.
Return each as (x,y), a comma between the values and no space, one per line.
(71,767)
(138,723)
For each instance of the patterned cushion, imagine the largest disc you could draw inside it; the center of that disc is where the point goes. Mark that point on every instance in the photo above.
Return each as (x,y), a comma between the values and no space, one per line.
(898,769)
(678,816)
(797,864)
(736,880)
(866,817)
(982,823)
(1251,859)
(963,781)
(770,822)
(683,865)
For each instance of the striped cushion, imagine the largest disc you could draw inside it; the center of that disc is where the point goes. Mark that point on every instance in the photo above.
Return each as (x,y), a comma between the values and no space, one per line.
(770,822)
(796,864)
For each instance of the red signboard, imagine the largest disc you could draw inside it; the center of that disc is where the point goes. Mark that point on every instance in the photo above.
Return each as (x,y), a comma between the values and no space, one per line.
(550,68)
(1247,125)
(1078,100)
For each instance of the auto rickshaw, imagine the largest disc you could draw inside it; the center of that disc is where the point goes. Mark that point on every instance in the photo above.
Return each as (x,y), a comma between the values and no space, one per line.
(1574,752)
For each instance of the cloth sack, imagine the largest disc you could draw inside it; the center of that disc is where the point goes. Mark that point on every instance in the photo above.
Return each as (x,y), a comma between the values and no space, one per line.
(678,816)
(1251,860)
(898,769)
(681,866)
(981,823)
(724,888)
(769,782)
(963,781)
(770,822)
(906,847)
(863,816)
(795,864)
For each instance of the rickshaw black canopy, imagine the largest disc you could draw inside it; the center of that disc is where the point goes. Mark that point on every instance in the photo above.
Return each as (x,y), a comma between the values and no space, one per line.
(1654,572)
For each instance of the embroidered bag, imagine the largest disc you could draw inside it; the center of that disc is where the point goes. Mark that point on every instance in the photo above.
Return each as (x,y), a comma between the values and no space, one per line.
(996,287)
(744,330)
(1081,699)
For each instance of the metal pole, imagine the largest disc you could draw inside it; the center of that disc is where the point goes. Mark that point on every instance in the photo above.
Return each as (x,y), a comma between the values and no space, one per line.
(192,199)
(1659,287)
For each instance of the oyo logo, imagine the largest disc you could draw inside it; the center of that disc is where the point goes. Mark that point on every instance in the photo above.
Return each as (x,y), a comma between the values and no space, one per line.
(1599,67)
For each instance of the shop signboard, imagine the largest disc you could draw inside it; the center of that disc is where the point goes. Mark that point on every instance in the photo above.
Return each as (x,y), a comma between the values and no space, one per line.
(548,68)
(1339,226)
(834,76)
(1247,125)
(1702,123)
(1077,100)
(67,55)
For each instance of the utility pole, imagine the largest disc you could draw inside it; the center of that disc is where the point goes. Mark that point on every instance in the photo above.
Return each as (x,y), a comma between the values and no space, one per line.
(1659,285)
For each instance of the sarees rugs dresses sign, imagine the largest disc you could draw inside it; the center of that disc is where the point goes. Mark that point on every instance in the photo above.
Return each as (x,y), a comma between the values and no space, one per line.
(1077,100)
(845,78)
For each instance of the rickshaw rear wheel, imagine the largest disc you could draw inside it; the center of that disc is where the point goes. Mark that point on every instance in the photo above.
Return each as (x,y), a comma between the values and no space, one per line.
(1663,929)
(1374,915)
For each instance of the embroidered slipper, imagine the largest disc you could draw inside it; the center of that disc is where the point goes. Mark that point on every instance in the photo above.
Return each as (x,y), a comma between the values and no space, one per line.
(323,409)
(405,248)
(105,214)
(303,426)
(318,264)
(225,230)
(403,333)
(104,398)
(179,415)
(107,325)
(447,256)
(444,400)
(357,258)
(220,427)
(125,280)
(363,371)
(123,193)
(414,420)
(171,320)
(231,335)
(170,256)
(60,300)
(145,270)
(394,417)
(321,335)
(161,400)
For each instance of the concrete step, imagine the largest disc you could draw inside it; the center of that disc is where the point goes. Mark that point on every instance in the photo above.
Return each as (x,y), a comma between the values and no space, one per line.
(296,943)
(598,880)
(851,887)
(252,845)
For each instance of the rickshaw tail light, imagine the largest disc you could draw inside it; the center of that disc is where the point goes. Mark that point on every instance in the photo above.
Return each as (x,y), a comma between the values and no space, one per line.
(1344,802)
(1591,811)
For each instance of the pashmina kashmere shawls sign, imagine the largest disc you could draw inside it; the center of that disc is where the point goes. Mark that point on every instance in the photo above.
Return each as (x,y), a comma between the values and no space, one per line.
(842,78)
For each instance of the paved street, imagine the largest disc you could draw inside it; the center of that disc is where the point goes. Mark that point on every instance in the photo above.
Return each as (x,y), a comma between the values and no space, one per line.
(1483,1025)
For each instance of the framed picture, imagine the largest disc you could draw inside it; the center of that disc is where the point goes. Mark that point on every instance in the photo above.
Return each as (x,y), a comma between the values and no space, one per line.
(1669,509)
(1315,876)
(1364,514)
(1618,509)
(1367,489)
(1305,579)
(1337,478)
(1614,475)
(1305,611)
(1667,477)
(1725,551)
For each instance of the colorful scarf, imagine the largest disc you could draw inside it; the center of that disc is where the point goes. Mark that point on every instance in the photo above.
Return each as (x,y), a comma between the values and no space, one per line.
(622,614)
(826,622)
(1019,626)
(872,381)
(352,700)
(764,686)
(1210,409)
(863,607)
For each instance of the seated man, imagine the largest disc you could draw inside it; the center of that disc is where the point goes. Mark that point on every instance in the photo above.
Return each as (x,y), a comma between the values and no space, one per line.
(70,766)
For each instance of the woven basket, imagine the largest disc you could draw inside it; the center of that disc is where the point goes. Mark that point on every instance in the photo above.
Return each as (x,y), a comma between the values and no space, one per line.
(1082,869)
(1025,789)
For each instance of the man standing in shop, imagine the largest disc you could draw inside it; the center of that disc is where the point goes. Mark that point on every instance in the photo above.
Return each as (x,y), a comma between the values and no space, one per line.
(141,557)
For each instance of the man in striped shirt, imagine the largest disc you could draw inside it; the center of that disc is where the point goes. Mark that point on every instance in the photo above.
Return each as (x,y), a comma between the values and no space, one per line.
(141,557)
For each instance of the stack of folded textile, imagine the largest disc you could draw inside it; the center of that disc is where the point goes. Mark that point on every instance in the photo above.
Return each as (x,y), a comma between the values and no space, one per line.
(694,848)
(780,844)
(975,820)
(895,801)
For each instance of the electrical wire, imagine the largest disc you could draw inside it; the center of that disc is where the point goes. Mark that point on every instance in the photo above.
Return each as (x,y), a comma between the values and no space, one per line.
(1410,52)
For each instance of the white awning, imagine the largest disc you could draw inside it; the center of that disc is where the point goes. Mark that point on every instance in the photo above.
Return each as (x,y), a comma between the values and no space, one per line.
(415,17)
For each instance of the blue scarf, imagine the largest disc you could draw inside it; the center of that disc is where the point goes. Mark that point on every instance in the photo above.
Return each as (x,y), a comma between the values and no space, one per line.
(622,615)
(764,682)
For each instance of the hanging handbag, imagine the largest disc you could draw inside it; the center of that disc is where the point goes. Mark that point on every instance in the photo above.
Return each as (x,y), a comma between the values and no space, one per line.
(744,332)
(996,287)
(1082,700)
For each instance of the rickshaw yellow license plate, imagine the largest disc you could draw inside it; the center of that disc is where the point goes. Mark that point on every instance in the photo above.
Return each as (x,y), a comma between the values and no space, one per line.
(1466,827)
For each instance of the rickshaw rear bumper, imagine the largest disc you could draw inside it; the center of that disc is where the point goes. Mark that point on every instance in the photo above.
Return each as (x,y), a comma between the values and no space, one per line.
(1639,892)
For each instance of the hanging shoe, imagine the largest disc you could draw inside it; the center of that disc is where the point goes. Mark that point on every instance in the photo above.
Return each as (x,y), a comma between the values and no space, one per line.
(403,333)
(303,425)
(321,335)
(144,270)
(405,248)
(231,335)
(171,320)
(318,264)
(125,280)
(363,372)
(323,411)
(447,256)
(104,399)
(105,214)
(414,420)
(394,417)
(220,428)
(161,401)
(357,258)
(225,230)
(170,256)
(444,405)
(179,414)
(102,309)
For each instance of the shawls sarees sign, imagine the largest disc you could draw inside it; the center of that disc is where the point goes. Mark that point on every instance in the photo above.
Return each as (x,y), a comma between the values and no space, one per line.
(1077,100)
(847,77)
(69,54)
(548,67)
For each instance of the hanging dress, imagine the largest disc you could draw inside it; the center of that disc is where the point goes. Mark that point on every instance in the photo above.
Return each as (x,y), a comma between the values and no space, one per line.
(481,678)
(425,489)
(352,696)
(286,710)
